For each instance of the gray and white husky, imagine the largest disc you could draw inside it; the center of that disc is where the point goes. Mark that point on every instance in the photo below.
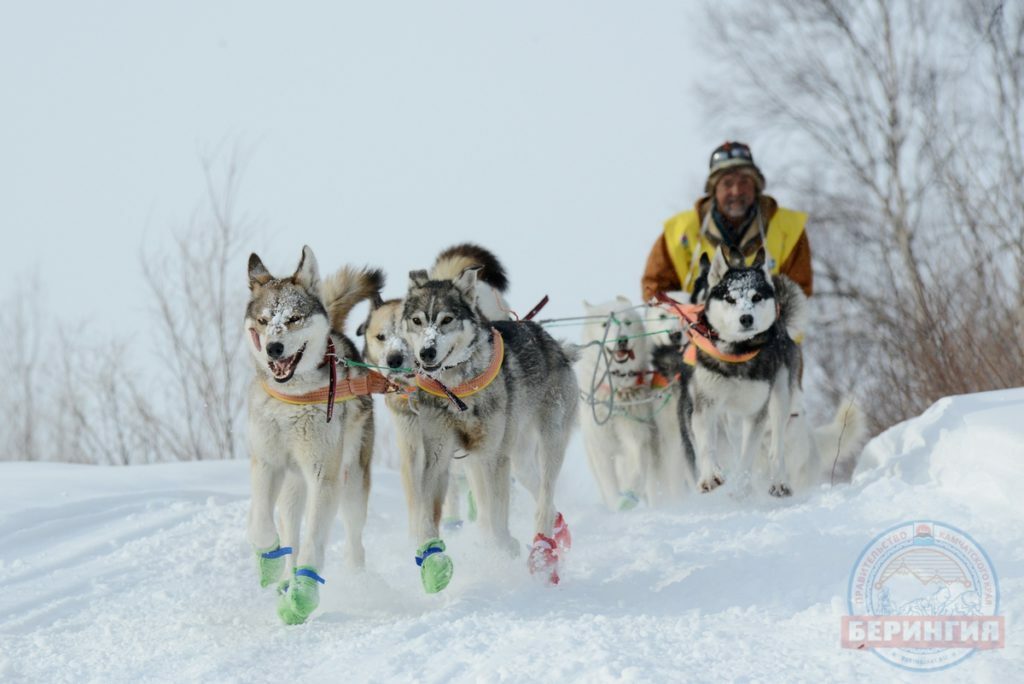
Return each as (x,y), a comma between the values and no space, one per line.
(503,391)
(731,404)
(385,346)
(618,423)
(303,464)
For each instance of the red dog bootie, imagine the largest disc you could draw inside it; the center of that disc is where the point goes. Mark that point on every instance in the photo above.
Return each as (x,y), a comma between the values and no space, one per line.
(543,560)
(562,535)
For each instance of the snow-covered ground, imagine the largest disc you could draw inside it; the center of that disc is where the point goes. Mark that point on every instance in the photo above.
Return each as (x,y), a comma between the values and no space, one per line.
(143,574)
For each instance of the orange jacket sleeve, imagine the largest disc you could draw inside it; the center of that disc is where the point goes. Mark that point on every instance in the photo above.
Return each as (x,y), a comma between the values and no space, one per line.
(659,274)
(798,265)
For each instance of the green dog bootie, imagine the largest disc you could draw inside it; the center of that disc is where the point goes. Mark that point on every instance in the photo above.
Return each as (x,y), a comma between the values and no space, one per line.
(300,597)
(628,500)
(270,563)
(435,566)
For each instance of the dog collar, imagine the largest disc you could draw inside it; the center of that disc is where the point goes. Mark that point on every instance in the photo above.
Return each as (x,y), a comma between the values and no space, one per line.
(350,388)
(698,341)
(700,333)
(659,381)
(470,387)
(639,375)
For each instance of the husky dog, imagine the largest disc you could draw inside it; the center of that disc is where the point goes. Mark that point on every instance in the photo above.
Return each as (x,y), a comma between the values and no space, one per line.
(493,389)
(749,386)
(618,424)
(386,347)
(675,450)
(303,460)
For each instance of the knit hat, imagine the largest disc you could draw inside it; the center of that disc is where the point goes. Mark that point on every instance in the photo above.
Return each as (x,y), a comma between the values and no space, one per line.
(729,156)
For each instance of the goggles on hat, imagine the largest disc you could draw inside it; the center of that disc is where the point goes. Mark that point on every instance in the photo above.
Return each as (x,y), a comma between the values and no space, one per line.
(731,151)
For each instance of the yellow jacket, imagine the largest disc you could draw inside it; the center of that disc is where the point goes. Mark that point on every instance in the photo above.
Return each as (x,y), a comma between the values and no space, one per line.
(673,262)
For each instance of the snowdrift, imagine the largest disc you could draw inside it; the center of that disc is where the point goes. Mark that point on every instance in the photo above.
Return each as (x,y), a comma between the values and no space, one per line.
(143,574)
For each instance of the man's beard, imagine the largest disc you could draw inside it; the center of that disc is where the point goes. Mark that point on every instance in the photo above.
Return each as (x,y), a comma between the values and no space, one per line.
(735,209)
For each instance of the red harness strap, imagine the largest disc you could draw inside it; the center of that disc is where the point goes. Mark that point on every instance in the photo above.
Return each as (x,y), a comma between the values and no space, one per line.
(536,310)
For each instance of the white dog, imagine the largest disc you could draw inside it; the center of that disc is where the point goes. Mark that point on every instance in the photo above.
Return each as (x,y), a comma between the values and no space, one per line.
(618,423)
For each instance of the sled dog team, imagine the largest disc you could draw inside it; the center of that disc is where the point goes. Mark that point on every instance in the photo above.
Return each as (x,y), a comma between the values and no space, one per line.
(466,385)
(663,422)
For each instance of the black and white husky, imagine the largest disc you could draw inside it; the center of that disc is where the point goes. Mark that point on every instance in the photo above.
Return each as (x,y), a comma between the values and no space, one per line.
(748,386)
(305,461)
(499,391)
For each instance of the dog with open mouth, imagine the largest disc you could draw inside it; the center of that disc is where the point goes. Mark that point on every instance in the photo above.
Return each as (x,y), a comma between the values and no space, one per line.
(386,348)
(310,431)
(618,421)
(500,391)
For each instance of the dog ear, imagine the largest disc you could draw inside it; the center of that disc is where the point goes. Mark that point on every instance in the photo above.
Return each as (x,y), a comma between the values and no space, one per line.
(759,260)
(466,282)
(307,274)
(258,273)
(735,258)
(719,266)
(418,278)
(361,330)
(624,300)
(700,283)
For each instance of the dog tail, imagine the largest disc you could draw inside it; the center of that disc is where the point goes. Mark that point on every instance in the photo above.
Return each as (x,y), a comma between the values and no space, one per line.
(450,264)
(792,301)
(491,279)
(841,442)
(346,288)
(572,351)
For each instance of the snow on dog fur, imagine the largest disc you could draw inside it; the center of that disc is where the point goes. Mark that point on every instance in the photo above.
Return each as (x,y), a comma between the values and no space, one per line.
(300,462)
(386,346)
(518,400)
(827,453)
(732,403)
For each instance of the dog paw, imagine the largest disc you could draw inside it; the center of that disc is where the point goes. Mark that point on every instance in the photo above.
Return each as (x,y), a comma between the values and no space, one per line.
(543,560)
(436,568)
(511,546)
(628,500)
(780,490)
(711,483)
(298,598)
(270,563)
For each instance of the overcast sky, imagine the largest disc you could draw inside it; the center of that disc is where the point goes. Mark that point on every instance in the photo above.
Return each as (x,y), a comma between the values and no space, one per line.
(559,134)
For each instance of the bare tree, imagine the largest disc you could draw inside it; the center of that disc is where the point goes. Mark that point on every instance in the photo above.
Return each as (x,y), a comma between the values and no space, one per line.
(75,401)
(898,124)
(100,416)
(22,398)
(198,308)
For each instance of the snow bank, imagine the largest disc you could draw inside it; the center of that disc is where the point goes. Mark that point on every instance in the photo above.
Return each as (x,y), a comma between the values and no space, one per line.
(143,574)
